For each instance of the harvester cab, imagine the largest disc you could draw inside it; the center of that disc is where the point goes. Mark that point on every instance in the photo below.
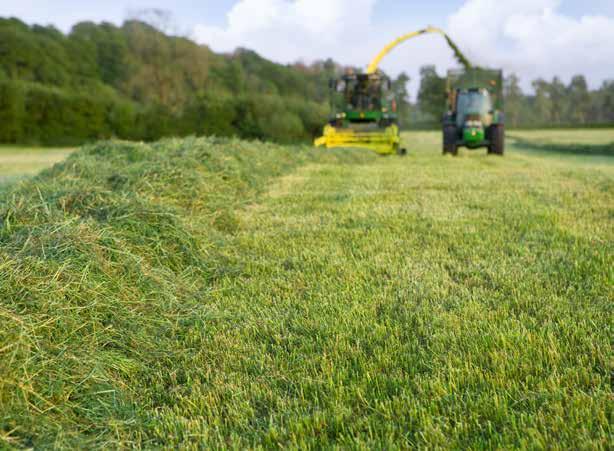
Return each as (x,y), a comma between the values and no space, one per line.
(363,114)
(474,115)
(364,97)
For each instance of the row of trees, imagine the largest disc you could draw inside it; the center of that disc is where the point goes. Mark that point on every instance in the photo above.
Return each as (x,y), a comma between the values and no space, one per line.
(556,104)
(136,82)
(33,113)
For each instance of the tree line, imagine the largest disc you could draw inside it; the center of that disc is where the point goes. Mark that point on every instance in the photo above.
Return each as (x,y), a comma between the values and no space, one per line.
(135,82)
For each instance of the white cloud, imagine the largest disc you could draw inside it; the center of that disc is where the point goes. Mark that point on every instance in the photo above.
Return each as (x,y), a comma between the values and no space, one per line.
(289,30)
(534,39)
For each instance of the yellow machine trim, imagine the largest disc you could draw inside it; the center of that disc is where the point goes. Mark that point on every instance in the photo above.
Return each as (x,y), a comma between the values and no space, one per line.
(385,142)
(374,66)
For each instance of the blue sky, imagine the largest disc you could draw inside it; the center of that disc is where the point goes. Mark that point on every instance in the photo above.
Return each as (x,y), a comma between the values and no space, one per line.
(533,38)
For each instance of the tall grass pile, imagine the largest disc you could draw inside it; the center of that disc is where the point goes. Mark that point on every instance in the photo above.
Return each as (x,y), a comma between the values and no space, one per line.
(105,260)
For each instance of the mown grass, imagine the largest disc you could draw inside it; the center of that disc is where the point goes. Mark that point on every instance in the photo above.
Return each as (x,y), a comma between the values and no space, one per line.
(599,142)
(212,293)
(567,136)
(16,162)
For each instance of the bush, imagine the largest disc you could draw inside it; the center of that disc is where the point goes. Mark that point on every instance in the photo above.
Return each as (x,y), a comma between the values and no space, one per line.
(12,112)
(31,113)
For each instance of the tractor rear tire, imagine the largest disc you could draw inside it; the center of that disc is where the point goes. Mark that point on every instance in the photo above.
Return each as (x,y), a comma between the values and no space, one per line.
(497,139)
(449,140)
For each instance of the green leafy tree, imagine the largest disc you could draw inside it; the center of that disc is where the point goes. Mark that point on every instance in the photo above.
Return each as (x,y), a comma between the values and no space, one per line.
(514,100)
(606,104)
(542,102)
(431,93)
(108,46)
(579,100)
(559,102)
(399,88)
(12,111)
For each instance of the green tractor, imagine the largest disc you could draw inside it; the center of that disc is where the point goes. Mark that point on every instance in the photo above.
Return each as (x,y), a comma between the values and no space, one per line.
(474,116)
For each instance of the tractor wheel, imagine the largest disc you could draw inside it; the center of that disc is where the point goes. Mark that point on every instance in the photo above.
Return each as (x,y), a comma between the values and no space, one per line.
(449,140)
(497,139)
(401,151)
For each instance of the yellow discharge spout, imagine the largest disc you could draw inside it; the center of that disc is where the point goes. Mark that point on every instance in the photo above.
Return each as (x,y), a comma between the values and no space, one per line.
(374,66)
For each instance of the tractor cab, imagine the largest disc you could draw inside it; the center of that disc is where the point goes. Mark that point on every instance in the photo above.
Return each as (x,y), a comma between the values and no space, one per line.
(473,104)
(473,115)
(363,93)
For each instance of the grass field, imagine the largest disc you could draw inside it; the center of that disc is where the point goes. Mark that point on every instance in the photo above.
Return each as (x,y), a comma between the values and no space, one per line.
(212,293)
(564,143)
(16,162)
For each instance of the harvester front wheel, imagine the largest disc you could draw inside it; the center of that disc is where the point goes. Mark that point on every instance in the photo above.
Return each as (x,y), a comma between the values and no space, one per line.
(497,139)
(449,140)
